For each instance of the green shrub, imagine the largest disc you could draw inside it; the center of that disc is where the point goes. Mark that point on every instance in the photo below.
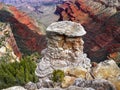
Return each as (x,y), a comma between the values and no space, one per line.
(17,73)
(58,76)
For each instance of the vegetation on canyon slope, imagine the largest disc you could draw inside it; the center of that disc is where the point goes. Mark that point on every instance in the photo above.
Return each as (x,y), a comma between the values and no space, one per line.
(18,73)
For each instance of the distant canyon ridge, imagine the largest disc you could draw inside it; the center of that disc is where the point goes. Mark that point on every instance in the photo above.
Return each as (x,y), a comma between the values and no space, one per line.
(100,18)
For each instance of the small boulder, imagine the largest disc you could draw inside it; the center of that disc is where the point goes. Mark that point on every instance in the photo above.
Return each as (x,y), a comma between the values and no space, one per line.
(67,81)
(108,70)
(31,86)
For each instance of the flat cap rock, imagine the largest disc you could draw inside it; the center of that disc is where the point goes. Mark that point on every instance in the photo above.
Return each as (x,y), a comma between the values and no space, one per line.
(68,28)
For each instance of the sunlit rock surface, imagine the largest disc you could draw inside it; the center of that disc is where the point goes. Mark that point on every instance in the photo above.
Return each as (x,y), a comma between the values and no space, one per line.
(108,70)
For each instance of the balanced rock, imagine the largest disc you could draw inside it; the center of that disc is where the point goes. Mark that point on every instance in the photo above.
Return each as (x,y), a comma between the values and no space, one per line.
(64,49)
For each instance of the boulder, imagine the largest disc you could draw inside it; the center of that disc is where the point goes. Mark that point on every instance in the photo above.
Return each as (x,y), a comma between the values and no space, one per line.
(97,84)
(31,86)
(68,81)
(108,70)
(78,72)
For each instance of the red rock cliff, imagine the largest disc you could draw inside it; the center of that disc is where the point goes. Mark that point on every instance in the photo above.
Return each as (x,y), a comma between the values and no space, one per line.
(100,21)
(28,35)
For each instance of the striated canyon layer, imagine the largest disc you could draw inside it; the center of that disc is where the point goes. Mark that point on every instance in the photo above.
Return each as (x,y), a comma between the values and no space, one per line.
(28,34)
(8,47)
(42,10)
(101,21)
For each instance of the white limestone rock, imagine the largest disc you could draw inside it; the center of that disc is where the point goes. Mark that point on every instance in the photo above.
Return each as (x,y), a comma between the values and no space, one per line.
(68,28)
(15,88)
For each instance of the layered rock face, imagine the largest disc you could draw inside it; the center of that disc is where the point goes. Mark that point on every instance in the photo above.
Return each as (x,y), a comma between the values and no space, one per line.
(41,10)
(100,19)
(64,48)
(9,50)
(28,34)
(65,44)
(17,2)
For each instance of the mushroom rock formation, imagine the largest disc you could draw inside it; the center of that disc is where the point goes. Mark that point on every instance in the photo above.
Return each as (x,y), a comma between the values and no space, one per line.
(28,34)
(64,48)
(97,16)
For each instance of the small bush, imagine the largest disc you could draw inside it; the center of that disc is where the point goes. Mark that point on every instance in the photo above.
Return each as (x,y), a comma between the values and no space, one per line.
(17,73)
(58,76)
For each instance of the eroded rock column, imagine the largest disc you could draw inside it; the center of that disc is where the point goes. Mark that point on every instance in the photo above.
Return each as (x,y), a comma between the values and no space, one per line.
(64,48)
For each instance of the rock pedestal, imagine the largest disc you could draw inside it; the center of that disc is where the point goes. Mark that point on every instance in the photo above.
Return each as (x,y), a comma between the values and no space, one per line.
(64,48)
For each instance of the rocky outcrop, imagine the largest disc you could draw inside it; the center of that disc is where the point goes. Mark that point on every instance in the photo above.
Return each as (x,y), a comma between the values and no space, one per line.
(97,84)
(104,76)
(31,86)
(64,50)
(108,70)
(65,54)
(9,50)
(100,19)
(28,35)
